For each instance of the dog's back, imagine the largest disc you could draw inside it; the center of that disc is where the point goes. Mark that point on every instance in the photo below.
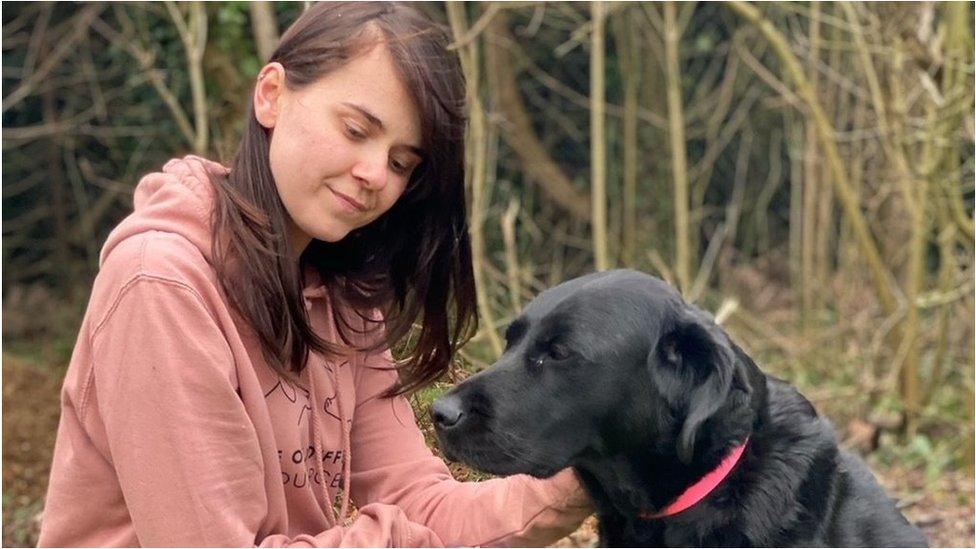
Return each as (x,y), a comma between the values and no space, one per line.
(839,502)
(867,516)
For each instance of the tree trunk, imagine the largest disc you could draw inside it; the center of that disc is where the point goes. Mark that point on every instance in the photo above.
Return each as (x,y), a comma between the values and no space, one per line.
(476,175)
(519,133)
(598,139)
(679,159)
(264,26)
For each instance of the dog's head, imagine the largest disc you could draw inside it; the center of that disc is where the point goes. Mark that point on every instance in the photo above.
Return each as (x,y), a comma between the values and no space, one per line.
(594,365)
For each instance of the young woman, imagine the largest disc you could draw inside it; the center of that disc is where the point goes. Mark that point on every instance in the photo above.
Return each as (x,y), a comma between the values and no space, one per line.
(232,384)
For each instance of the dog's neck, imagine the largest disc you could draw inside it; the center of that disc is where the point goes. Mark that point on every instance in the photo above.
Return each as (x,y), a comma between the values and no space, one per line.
(701,489)
(644,476)
(639,481)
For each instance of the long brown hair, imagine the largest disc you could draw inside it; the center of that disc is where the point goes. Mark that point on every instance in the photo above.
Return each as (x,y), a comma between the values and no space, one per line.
(413,263)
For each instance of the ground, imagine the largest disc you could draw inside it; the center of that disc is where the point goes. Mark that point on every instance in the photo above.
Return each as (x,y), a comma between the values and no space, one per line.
(30,420)
(942,506)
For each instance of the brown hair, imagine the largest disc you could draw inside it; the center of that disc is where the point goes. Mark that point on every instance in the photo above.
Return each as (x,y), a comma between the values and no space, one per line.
(413,262)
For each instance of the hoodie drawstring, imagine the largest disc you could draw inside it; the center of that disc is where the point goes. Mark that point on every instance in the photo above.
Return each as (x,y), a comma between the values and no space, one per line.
(346,456)
(338,520)
(317,445)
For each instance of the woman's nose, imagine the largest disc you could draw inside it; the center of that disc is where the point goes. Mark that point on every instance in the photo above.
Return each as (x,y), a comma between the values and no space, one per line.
(371,172)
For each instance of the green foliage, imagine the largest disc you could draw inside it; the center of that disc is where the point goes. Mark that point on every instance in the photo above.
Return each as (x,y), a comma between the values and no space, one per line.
(20,521)
(231,33)
(424,398)
(934,458)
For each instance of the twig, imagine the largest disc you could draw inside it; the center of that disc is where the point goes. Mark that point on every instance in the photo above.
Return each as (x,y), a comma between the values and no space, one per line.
(554,84)
(763,73)
(37,37)
(146,61)
(598,139)
(728,307)
(511,253)
(708,262)
(683,228)
(479,26)
(662,267)
(193,34)
(81,25)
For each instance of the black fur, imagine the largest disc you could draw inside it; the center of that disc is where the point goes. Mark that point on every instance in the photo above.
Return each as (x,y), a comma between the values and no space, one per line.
(615,375)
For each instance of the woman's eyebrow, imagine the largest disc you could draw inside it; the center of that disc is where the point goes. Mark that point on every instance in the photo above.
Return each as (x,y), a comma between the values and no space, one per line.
(375,120)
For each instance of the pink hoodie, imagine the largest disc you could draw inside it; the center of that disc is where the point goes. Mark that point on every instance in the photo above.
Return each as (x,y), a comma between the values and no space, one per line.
(174,432)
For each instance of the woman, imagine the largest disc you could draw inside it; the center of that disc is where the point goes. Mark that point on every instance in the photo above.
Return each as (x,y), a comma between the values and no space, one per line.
(232,381)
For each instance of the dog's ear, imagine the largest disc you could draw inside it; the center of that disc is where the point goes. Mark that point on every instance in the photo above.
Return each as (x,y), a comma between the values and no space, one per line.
(695,368)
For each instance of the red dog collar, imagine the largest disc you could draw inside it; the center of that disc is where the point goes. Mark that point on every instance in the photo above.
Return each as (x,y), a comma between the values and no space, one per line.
(697,491)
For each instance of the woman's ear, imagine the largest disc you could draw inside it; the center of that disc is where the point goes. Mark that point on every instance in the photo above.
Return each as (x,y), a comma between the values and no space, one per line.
(267,94)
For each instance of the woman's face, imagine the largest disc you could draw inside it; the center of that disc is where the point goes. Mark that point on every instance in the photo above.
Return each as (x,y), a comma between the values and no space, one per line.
(342,148)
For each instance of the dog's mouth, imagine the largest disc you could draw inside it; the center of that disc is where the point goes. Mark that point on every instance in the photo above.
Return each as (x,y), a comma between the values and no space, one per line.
(500,436)
(486,451)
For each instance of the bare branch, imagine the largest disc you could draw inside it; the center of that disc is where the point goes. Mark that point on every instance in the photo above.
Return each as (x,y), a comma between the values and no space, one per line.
(81,25)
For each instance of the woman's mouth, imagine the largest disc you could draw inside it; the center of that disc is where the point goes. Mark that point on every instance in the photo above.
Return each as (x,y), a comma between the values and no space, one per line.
(348,201)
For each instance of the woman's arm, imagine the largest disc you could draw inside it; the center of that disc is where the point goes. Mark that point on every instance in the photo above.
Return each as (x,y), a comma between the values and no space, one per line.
(160,445)
(392,464)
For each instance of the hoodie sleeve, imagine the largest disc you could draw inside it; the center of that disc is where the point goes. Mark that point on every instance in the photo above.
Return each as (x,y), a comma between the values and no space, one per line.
(376,525)
(184,450)
(392,464)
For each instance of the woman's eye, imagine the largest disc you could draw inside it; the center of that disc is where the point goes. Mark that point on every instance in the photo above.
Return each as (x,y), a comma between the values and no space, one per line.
(399,167)
(403,167)
(355,131)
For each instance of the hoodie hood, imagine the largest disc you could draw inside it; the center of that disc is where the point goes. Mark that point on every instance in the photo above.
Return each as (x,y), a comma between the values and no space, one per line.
(179,199)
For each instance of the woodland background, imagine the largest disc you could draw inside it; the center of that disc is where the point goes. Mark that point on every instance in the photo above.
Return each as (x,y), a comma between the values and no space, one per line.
(803,170)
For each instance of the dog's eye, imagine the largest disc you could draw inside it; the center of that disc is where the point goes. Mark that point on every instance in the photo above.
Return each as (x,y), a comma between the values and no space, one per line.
(558,351)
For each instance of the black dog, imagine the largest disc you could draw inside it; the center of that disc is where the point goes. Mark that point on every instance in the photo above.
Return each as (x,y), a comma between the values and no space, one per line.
(644,395)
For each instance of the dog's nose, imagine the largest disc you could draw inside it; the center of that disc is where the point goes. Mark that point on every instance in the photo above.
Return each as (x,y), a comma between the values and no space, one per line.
(447,411)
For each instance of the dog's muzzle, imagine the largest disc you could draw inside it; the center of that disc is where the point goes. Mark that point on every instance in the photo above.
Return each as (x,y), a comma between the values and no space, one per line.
(447,412)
